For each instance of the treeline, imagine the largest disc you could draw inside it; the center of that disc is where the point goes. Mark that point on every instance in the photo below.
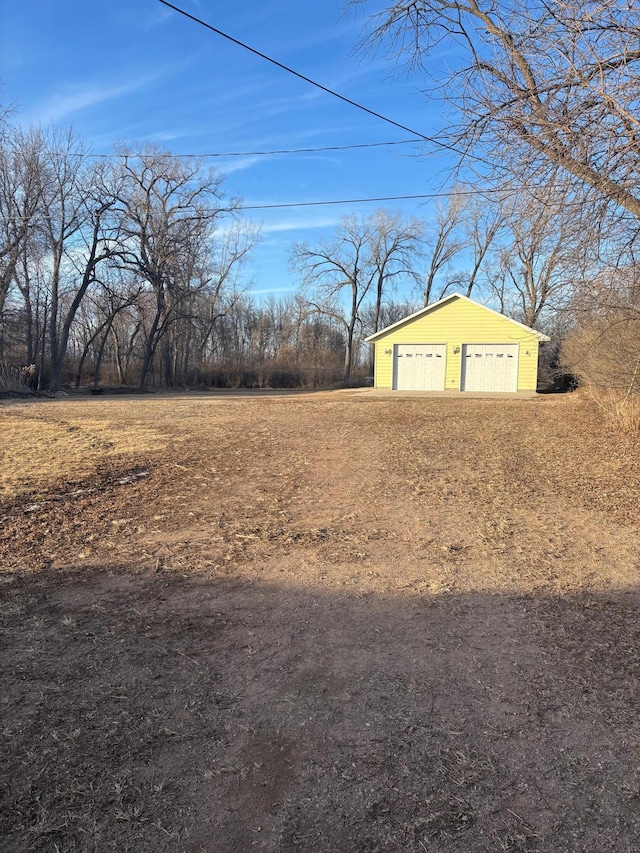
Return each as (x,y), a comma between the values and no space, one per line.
(128,270)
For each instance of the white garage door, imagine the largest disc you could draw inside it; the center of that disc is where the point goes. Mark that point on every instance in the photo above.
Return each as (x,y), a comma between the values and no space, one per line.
(419,367)
(489,367)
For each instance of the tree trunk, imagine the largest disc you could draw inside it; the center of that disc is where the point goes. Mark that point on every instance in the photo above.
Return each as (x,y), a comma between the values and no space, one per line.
(152,342)
(117,355)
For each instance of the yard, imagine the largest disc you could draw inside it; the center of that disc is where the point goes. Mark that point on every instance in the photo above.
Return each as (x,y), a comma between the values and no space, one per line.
(318,622)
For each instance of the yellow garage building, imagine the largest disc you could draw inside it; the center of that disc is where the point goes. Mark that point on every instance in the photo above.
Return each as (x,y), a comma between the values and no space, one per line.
(457,344)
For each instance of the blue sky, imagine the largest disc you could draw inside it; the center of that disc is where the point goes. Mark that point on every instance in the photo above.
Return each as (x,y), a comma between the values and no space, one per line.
(137,71)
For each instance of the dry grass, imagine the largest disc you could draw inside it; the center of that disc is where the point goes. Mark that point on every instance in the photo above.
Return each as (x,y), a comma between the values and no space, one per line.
(622,410)
(322,622)
(44,444)
(604,353)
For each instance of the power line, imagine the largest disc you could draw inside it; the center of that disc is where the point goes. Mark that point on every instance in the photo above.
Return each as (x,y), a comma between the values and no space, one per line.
(305,150)
(335,201)
(326,89)
(205,155)
(442,194)
(505,192)
(422,196)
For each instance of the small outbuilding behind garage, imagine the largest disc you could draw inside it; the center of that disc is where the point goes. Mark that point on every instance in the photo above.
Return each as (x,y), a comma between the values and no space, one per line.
(457,344)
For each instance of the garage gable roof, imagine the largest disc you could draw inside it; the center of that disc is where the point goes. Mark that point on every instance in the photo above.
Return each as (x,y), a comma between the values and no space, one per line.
(442,301)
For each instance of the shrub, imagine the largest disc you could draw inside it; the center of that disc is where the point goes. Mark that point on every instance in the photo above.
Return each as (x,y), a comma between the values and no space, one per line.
(603,352)
(10,378)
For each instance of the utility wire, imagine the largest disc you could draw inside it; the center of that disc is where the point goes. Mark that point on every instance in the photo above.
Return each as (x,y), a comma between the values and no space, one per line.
(335,94)
(205,155)
(335,201)
(306,150)
(427,196)
(379,198)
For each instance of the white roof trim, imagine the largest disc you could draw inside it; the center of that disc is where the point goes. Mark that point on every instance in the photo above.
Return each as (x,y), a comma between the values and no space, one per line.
(448,298)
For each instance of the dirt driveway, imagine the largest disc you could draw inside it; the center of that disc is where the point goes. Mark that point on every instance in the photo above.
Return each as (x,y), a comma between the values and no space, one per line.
(325,622)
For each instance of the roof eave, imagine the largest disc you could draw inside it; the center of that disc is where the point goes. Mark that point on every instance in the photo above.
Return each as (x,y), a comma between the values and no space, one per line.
(376,335)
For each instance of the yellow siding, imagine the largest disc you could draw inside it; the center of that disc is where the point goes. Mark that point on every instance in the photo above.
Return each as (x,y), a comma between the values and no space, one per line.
(456,323)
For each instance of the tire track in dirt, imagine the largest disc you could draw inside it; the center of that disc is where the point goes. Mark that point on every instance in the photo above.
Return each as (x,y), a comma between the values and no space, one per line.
(414,644)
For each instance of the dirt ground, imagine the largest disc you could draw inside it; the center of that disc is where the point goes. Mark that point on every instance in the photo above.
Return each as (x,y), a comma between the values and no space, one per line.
(323,622)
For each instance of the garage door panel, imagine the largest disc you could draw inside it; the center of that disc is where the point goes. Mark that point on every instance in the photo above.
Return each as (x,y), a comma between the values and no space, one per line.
(489,367)
(419,367)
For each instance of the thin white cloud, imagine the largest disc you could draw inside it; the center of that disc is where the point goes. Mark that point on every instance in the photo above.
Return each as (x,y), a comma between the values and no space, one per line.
(299,224)
(164,135)
(63,104)
(272,290)
(236,164)
(158,16)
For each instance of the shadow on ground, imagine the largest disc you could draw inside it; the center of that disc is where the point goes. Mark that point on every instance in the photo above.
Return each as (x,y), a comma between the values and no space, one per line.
(153,712)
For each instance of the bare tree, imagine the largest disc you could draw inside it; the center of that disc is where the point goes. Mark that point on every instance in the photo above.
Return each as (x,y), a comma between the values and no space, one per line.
(482,222)
(330,269)
(100,313)
(603,348)
(124,334)
(229,253)
(539,83)
(367,256)
(444,242)
(31,279)
(541,259)
(125,261)
(20,193)
(63,216)
(77,198)
(390,312)
(396,247)
(169,210)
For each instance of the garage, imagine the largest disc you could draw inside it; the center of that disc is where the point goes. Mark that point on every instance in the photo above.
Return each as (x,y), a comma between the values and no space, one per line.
(470,354)
(419,367)
(489,367)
